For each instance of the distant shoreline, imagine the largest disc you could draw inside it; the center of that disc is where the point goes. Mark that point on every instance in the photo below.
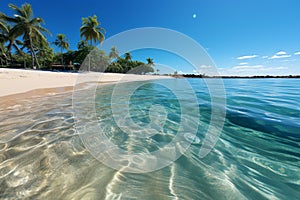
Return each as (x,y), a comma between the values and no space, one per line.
(235,77)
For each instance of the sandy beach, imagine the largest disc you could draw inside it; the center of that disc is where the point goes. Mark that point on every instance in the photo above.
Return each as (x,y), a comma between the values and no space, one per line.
(17,81)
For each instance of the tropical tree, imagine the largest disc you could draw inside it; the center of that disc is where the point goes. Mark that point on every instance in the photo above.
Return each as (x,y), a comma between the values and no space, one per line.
(150,61)
(91,30)
(127,65)
(128,56)
(62,43)
(157,70)
(21,57)
(114,53)
(3,26)
(114,68)
(47,55)
(25,25)
(81,44)
(150,64)
(3,55)
(5,38)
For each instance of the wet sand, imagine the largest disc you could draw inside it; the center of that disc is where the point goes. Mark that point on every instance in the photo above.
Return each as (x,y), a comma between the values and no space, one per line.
(17,84)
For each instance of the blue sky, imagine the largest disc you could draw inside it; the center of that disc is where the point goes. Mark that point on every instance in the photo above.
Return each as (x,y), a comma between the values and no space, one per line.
(243,37)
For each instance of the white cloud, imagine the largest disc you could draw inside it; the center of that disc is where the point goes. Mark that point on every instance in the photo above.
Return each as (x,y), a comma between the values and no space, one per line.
(246,57)
(264,57)
(281,53)
(195,71)
(297,53)
(247,67)
(243,63)
(280,56)
(252,70)
(289,60)
(205,67)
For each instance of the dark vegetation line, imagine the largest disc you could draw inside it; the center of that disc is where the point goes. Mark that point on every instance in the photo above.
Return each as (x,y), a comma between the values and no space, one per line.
(204,76)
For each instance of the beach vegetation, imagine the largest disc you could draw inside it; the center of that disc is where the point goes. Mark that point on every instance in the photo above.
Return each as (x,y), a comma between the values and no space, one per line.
(62,43)
(24,44)
(91,30)
(25,25)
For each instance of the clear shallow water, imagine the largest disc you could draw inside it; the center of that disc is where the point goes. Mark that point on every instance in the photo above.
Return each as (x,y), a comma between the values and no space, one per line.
(257,155)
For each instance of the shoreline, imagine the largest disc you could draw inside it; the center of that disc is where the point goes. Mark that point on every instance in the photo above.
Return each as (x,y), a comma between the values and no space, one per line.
(17,85)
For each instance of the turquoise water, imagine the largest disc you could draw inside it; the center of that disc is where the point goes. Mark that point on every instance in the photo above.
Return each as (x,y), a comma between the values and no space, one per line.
(257,155)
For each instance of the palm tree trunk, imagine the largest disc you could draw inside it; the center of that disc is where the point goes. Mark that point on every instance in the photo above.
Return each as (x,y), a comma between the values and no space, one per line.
(62,56)
(33,56)
(89,62)
(9,58)
(37,62)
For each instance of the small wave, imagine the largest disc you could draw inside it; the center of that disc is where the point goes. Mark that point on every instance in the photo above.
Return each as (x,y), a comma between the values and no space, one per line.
(192,138)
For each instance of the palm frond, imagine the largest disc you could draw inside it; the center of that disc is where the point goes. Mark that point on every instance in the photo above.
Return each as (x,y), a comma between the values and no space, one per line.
(100,29)
(37,20)
(17,31)
(44,30)
(16,9)
(3,27)
(27,10)
(7,18)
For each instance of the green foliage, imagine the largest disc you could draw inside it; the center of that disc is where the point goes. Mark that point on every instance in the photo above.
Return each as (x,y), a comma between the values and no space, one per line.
(114,53)
(82,44)
(96,60)
(23,61)
(33,47)
(62,43)
(25,25)
(127,65)
(3,54)
(128,56)
(77,56)
(115,68)
(91,30)
(46,56)
(150,61)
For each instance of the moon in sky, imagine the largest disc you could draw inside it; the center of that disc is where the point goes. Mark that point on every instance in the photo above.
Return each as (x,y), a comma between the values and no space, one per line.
(194,16)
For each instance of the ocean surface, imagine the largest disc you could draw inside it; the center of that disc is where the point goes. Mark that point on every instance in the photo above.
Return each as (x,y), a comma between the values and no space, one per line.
(44,154)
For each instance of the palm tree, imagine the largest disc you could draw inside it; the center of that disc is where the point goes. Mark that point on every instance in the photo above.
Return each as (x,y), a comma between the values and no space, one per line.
(114,53)
(46,54)
(81,44)
(24,24)
(62,43)
(3,55)
(91,30)
(150,62)
(3,26)
(5,38)
(128,56)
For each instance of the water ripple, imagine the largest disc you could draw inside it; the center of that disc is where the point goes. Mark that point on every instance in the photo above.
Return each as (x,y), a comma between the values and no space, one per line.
(257,156)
